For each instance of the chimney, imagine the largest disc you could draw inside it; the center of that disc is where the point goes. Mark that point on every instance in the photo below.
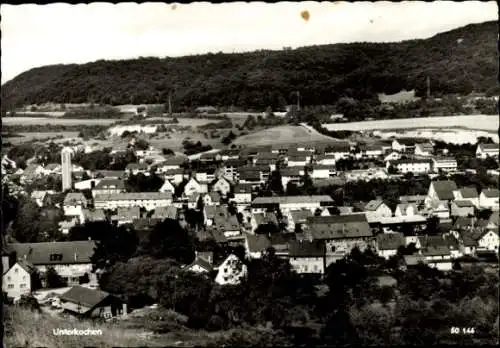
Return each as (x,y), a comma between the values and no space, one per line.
(75,257)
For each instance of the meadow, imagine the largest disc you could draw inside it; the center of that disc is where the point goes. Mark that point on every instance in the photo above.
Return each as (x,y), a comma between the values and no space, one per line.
(11,121)
(474,122)
(282,135)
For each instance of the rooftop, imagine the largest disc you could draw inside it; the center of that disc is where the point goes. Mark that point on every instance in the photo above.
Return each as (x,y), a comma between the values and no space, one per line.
(292,200)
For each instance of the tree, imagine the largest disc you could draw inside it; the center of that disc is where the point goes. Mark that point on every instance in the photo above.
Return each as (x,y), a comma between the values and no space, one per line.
(166,151)
(274,182)
(53,279)
(169,240)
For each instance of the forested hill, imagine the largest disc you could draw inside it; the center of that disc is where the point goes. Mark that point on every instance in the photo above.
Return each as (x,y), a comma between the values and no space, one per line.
(457,61)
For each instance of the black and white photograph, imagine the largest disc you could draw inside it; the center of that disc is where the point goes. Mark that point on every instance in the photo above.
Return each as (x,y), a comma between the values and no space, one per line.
(250,174)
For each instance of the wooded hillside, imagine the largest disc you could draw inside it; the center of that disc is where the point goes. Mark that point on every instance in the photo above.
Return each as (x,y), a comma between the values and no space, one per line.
(457,61)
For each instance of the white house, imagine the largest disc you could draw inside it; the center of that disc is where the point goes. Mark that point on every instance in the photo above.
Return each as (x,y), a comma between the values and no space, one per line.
(308,257)
(489,241)
(323,171)
(167,187)
(402,145)
(387,244)
(16,281)
(440,191)
(392,156)
(377,209)
(242,194)
(339,150)
(415,166)
(297,160)
(326,160)
(231,272)
(372,151)
(488,199)
(147,200)
(441,209)
(86,184)
(73,205)
(406,209)
(40,196)
(467,193)
(424,150)
(484,151)
(176,176)
(169,164)
(445,164)
(193,186)
(222,185)
(288,203)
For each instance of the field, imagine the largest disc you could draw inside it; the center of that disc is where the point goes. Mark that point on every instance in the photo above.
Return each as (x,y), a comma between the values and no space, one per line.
(25,137)
(282,135)
(473,122)
(9,121)
(194,122)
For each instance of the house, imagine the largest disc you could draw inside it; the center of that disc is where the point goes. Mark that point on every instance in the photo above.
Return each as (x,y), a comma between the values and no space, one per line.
(259,219)
(193,186)
(387,244)
(372,151)
(93,215)
(438,257)
(176,176)
(147,200)
(229,154)
(167,187)
(199,265)
(16,280)
(291,174)
(414,260)
(440,191)
(222,185)
(488,199)
(73,204)
(444,164)
(231,167)
(71,260)
(322,171)
(403,145)
(126,215)
(424,150)
(366,174)
(162,213)
(297,160)
(489,241)
(467,193)
(375,209)
(406,209)
(205,176)
(343,210)
(440,209)
(231,272)
(211,198)
(192,200)
(338,150)
(415,166)
(242,194)
(326,160)
(66,225)
(109,174)
(175,162)
(92,303)
(307,257)
(484,151)
(254,175)
(32,172)
(88,184)
(340,232)
(209,213)
(297,218)
(109,187)
(284,203)
(136,168)
(256,245)
(41,197)
(462,208)
(392,156)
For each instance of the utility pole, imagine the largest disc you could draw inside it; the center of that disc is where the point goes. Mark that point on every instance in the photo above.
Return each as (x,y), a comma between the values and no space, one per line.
(170,103)
(298,100)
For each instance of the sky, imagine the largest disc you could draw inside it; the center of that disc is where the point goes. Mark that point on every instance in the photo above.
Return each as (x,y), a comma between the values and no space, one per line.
(38,35)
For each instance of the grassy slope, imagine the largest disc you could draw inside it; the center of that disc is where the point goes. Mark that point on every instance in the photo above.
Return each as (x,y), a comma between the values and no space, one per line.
(282,135)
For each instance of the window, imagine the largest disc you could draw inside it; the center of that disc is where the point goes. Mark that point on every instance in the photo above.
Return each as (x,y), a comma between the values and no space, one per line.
(22,286)
(333,248)
(24,277)
(16,270)
(8,278)
(315,268)
(55,257)
(10,286)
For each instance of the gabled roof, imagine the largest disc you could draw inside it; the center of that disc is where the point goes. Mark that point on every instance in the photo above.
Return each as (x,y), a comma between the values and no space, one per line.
(74,198)
(490,147)
(469,192)
(84,296)
(390,241)
(373,205)
(198,261)
(291,171)
(444,189)
(133,196)
(440,250)
(215,196)
(265,218)
(490,193)
(40,253)
(172,161)
(257,243)
(105,184)
(243,188)
(463,203)
(413,260)
(38,194)
(139,166)
(110,173)
(403,207)
(145,223)
(300,216)
(170,212)
(307,249)
(292,199)
(425,146)
(52,166)
(339,226)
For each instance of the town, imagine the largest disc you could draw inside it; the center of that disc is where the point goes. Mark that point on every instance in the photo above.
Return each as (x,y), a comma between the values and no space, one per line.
(301,179)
